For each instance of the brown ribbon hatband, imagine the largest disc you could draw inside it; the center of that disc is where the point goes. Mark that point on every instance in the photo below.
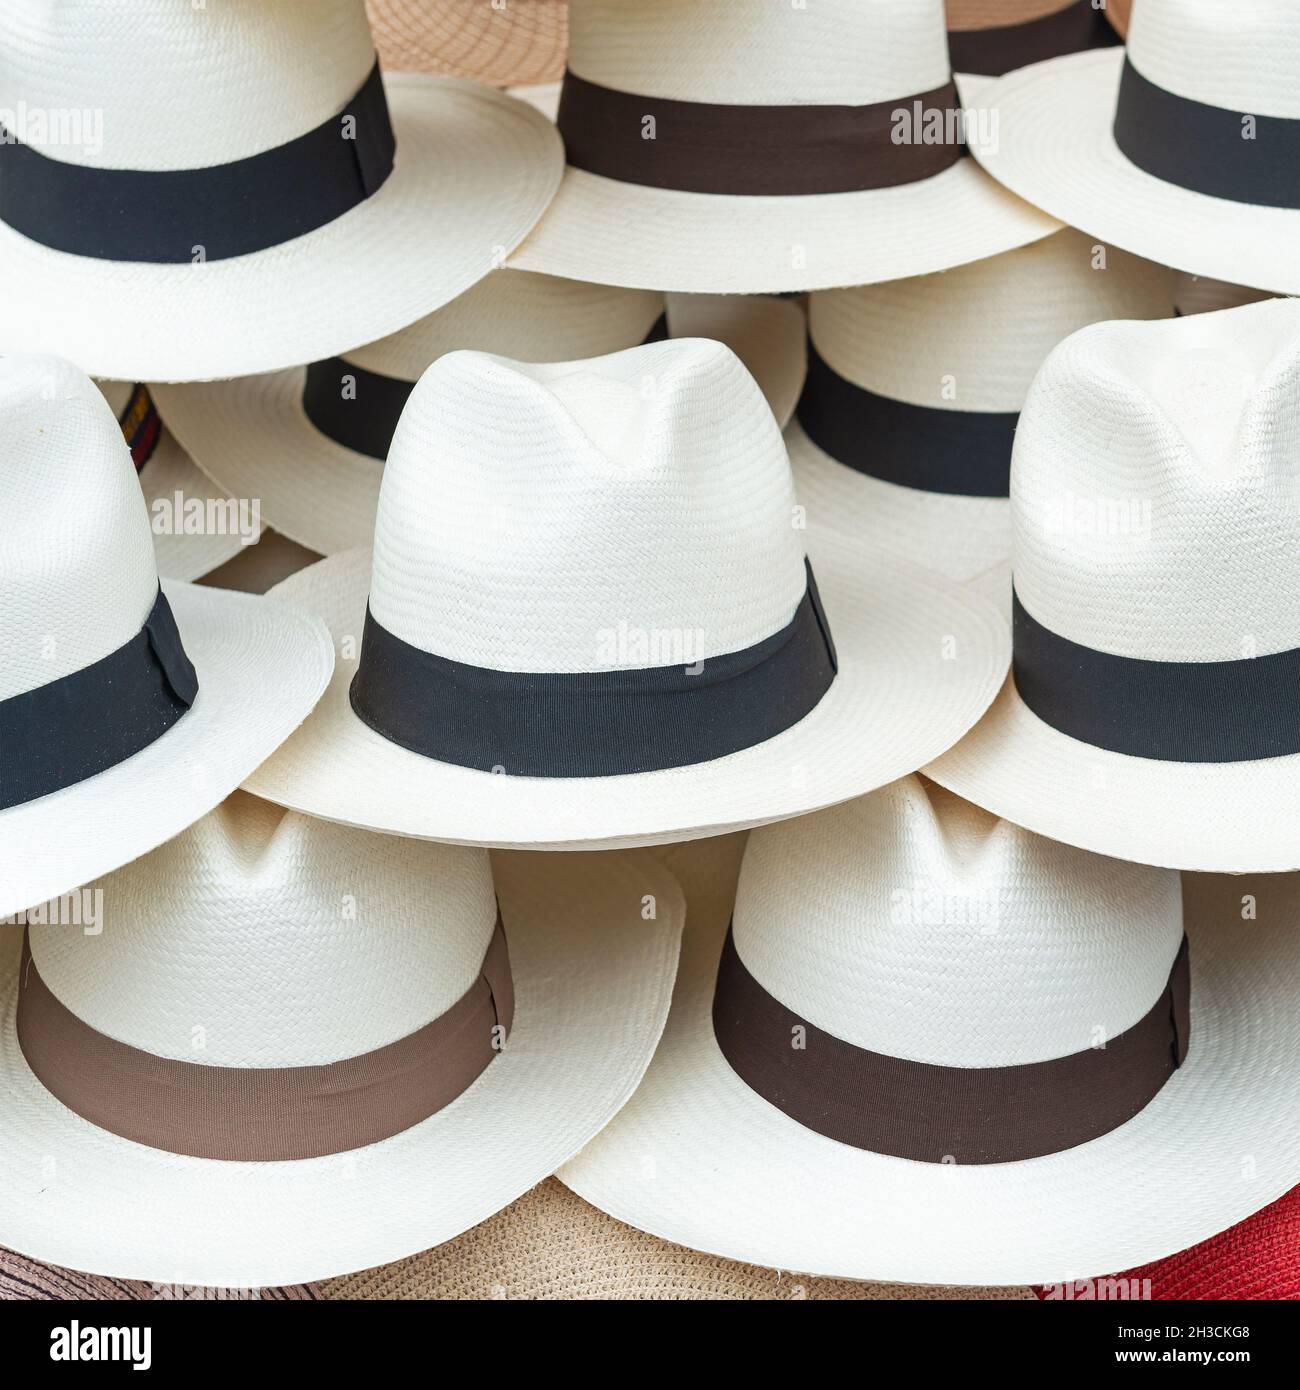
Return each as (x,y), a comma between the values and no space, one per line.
(265,1114)
(990,52)
(938,1114)
(705,147)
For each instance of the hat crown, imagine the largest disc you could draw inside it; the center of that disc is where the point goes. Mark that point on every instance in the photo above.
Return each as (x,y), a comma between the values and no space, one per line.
(1243,57)
(833,52)
(264,938)
(972,338)
(627,511)
(149,84)
(77,571)
(913,924)
(1154,490)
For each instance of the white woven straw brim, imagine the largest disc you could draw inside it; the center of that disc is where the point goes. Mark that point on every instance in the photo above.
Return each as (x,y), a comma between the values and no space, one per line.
(474,170)
(1055,146)
(261,666)
(895,698)
(959,537)
(1238,817)
(592,986)
(698,1158)
(253,438)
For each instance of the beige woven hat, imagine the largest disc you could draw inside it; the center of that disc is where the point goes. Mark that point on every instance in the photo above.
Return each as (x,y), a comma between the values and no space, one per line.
(902,441)
(1182,147)
(992,37)
(588,621)
(363,1049)
(127,709)
(293,204)
(830,156)
(309,443)
(1064,1093)
(520,41)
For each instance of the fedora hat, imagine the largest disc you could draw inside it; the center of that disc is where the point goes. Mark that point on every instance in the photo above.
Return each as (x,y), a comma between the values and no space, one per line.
(1156,519)
(992,37)
(903,435)
(1183,147)
(931,1046)
(127,709)
(588,621)
(310,442)
(520,42)
(293,204)
(830,156)
(358,1050)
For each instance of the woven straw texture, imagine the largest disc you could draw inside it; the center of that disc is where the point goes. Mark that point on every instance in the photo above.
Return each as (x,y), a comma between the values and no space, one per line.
(520,41)
(25,1280)
(993,14)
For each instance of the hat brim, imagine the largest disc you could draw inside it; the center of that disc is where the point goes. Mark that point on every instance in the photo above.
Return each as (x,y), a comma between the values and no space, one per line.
(252,436)
(896,695)
(1055,146)
(592,986)
(734,1176)
(1217,817)
(960,537)
(261,667)
(474,170)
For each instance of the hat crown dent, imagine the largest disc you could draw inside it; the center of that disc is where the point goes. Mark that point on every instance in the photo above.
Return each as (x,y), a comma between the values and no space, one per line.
(78,571)
(915,925)
(628,511)
(207,86)
(1242,57)
(261,937)
(736,52)
(1154,489)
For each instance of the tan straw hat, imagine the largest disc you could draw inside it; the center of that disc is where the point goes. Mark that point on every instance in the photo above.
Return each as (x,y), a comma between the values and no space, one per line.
(501,42)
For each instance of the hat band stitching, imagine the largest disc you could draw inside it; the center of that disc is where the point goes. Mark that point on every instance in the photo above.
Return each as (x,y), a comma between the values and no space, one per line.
(1169,711)
(265,1114)
(175,216)
(141,425)
(599,723)
(1207,149)
(965,453)
(942,1114)
(792,151)
(992,52)
(90,720)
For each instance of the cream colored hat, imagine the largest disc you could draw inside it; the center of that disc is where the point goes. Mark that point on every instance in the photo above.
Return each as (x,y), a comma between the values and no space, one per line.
(1182,148)
(360,1049)
(309,443)
(903,436)
(1156,511)
(127,710)
(519,41)
(992,37)
(830,156)
(292,204)
(892,1065)
(588,621)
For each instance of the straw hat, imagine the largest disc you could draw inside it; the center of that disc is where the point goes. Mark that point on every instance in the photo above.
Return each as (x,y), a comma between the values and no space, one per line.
(163,273)
(780,1122)
(903,436)
(127,710)
(310,442)
(522,41)
(1182,148)
(992,37)
(588,621)
(830,156)
(365,1050)
(27,1280)
(1157,572)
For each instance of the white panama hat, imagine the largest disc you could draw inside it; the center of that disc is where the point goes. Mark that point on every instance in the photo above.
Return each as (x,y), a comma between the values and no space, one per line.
(267,220)
(588,621)
(127,710)
(309,442)
(903,435)
(930,955)
(328,1021)
(988,38)
(691,170)
(1183,148)
(1150,713)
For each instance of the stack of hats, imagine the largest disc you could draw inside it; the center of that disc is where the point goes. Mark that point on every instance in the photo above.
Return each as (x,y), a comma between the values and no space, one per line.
(638,675)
